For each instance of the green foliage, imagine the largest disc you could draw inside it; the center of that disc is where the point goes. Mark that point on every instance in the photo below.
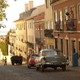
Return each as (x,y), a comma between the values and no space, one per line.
(4,45)
(4,48)
(3,6)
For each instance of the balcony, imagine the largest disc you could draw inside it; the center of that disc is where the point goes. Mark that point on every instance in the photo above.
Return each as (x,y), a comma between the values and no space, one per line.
(48,33)
(39,41)
(53,1)
(71,25)
(59,25)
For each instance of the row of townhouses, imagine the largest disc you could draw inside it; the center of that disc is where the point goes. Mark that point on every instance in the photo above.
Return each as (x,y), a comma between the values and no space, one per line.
(54,25)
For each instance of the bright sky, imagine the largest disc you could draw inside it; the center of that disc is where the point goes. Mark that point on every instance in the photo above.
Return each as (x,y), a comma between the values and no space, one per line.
(14,10)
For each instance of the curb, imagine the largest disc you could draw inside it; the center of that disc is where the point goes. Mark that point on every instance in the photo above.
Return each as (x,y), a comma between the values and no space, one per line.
(77,68)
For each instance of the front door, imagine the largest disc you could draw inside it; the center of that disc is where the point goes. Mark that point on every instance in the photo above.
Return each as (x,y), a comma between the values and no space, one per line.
(73,46)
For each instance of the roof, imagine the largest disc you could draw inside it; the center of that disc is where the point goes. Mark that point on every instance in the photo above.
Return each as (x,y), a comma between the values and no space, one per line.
(39,9)
(18,20)
(26,13)
(31,13)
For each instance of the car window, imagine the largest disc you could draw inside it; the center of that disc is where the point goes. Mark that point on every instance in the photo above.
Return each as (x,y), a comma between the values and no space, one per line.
(49,53)
(35,55)
(59,53)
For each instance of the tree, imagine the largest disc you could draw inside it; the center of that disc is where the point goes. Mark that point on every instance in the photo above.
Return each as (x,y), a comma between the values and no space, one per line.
(4,48)
(3,6)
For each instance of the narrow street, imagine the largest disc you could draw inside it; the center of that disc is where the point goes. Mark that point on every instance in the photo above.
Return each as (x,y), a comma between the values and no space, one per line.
(9,72)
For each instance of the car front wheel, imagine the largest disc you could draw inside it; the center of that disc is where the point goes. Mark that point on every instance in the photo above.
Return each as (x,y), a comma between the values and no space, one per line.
(37,68)
(64,68)
(55,68)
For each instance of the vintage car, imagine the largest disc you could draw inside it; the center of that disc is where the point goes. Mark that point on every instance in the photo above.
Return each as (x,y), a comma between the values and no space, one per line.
(50,58)
(31,60)
(16,60)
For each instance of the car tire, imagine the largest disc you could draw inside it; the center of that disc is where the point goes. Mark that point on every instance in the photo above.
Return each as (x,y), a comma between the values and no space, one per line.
(37,68)
(64,68)
(42,68)
(29,66)
(55,68)
(12,63)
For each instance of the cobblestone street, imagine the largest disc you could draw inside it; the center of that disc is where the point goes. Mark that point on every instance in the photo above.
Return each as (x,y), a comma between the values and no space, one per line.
(10,72)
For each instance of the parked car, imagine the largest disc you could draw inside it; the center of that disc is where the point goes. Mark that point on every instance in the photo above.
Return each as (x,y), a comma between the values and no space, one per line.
(16,60)
(50,58)
(31,60)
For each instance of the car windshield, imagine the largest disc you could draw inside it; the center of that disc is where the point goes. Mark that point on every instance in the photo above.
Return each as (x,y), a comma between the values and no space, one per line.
(51,53)
(35,55)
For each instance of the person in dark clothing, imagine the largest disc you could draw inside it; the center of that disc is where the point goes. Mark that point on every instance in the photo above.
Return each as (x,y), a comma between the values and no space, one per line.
(5,61)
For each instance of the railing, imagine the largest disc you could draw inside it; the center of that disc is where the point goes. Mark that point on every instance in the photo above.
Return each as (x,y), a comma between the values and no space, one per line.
(71,25)
(53,1)
(48,33)
(39,41)
(59,25)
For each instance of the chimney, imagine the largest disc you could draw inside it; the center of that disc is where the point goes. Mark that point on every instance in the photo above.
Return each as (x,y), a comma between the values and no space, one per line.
(30,5)
(26,7)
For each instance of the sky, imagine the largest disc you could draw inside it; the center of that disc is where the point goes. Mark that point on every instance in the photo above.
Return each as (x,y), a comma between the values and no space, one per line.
(13,11)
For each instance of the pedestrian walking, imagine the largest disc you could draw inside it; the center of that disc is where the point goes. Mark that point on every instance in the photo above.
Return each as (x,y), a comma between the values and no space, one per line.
(5,61)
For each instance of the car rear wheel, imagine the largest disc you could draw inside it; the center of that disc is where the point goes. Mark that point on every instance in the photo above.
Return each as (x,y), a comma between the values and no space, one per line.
(29,66)
(42,68)
(55,68)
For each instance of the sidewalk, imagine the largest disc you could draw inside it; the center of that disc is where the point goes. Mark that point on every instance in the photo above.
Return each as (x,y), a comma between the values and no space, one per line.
(74,68)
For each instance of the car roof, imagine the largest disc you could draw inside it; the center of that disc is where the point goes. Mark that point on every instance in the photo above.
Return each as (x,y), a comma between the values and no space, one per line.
(34,54)
(49,50)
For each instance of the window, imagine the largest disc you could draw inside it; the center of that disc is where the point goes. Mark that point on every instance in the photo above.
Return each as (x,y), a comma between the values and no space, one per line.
(65,11)
(55,16)
(79,12)
(60,15)
(49,53)
(30,24)
(60,19)
(46,25)
(72,8)
(56,43)
(52,25)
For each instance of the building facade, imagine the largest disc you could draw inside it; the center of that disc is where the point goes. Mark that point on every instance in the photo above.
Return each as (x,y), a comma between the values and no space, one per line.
(66,15)
(48,32)
(30,35)
(26,30)
(21,38)
(12,39)
(39,27)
